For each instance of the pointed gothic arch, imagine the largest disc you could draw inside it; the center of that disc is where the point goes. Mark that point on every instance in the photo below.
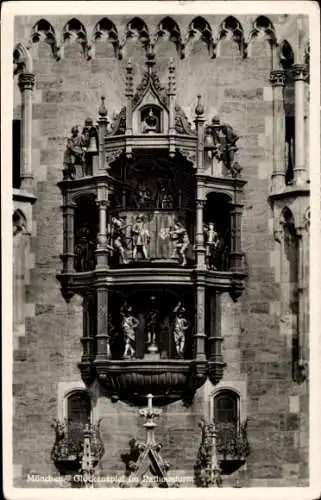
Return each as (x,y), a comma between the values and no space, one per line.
(200,29)
(105,30)
(43,31)
(231,29)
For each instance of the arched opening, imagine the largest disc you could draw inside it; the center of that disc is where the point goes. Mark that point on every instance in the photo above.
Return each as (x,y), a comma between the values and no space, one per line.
(226,417)
(151,119)
(85,233)
(217,231)
(78,416)
(147,320)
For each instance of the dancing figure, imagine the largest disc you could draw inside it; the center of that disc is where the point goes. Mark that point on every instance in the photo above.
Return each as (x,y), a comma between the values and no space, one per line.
(180,236)
(211,240)
(141,238)
(180,326)
(129,325)
(118,237)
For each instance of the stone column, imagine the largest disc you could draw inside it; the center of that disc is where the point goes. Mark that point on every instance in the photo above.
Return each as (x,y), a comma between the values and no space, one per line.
(129,93)
(26,85)
(200,336)
(102,130)
(200,249)
(68,235)
(277,79)
(88,334)
(200,198)
(102,251)
(102,337)
(300,171)
(215,338)
(303,303)
(236,255)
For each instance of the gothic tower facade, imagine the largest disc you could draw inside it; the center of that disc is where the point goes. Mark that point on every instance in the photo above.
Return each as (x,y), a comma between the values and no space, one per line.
(161,247)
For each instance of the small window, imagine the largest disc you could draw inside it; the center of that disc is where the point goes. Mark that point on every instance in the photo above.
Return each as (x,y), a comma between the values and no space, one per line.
(79,412)
(226,407)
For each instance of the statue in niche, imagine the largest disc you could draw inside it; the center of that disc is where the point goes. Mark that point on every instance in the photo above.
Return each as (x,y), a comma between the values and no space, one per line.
(150,123)
(181,325)
(152,324)
(84,251)
(164,198)
(118,237)
(143,196)
(74,156)
(129,325)
(179,234)
(141,238)
(211,240)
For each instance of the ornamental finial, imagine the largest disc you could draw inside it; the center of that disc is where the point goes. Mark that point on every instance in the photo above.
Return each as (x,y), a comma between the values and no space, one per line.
(102,111)
(199,110)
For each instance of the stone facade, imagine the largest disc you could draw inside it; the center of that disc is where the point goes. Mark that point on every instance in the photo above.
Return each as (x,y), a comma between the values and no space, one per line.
(257,345)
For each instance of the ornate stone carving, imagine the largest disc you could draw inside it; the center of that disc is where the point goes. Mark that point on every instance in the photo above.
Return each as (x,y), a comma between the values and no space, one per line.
(70,455)
(144,464)
(299,72)
(26,81)
(277,78)
(182,124)
(113,155)
(207,472)
(118,123)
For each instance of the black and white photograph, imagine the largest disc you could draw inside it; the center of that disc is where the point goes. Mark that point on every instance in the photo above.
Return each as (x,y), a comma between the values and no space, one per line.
(161,294)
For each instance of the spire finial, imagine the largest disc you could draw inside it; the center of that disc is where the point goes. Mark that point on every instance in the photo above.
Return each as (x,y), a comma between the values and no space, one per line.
(199,109)
(171,77)
(102,111)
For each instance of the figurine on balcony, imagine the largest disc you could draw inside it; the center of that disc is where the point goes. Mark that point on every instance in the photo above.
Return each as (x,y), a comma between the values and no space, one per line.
(143,196)
(164,199)
(179,234)
(224,142)
(211,241)
(180,326)
(118,237)
(74,156)
(141,238)
(129,325)
(84,251)
(150,123)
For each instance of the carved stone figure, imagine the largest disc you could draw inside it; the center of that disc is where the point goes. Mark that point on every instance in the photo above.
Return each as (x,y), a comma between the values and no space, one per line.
(84,251)
(223,144)
(150,124)
(129,325)
(118,237)
(180,326)
(141,238)
(180,236)
(75,153)
(211,245)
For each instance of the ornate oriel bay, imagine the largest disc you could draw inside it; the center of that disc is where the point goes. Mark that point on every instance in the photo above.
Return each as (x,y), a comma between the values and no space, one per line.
(152,220)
